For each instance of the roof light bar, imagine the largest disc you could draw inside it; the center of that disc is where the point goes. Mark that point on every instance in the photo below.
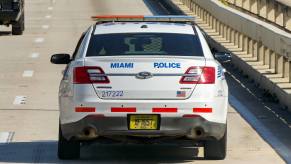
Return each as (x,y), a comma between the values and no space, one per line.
(141,18)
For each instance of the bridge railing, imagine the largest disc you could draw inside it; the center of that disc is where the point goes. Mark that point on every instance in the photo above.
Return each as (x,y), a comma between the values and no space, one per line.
(262,51)
(275,11)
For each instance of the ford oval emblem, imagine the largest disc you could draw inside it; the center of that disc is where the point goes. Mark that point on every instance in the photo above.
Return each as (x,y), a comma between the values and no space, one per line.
(144,75)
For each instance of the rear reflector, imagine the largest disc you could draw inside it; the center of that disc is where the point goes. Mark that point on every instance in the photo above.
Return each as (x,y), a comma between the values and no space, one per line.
(85,109)
(165,110)
(202,110)
(120,109)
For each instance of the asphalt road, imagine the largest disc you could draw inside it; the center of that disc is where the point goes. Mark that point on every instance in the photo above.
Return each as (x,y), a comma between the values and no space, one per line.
(29,86)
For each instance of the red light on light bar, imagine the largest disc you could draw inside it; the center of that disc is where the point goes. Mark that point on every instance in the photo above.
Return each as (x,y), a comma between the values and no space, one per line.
(165,110)
(120,109)
(202,110)
(85,109)
(118,17)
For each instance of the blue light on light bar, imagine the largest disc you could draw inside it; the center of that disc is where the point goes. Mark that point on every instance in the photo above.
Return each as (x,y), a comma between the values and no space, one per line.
(149,18)
(170,18)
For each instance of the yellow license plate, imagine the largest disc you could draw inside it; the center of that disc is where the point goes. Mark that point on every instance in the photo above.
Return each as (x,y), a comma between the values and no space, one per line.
(143,122)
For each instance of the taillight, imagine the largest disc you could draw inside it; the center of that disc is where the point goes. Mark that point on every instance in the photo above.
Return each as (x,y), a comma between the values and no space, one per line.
(199,75)
(88,75)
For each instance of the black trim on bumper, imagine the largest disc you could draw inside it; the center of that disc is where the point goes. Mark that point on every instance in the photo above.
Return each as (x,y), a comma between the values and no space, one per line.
(169,127)
(8,16)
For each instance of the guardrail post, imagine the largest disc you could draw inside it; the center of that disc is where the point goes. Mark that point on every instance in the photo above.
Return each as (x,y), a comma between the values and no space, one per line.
(271,10)
(195,7)
(287,19)
(232,35)
(245,43)
(214,24)
(236,37)
(261,53)
(228,36)
(238,3)
(279,64)
(240,41)
(224,31)
(210,20)
(250,47)
(254,6)
(246,4)
(286,69)
(267,56)
(263,8)
(231,1)
(272,60)
(255,50)
(279,14)
(218,26)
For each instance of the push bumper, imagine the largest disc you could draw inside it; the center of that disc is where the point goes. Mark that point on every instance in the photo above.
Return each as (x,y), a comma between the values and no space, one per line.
(9,16)
(92,127)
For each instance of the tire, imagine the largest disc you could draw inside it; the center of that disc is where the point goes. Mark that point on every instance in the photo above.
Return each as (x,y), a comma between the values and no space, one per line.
(216,149)
(68,149)
(18,27)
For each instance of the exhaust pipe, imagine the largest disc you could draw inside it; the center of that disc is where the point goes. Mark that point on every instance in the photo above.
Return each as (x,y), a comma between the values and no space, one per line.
(196,133)
(88,133)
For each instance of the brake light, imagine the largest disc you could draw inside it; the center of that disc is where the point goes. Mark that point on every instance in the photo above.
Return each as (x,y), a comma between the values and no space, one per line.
(88,75)
(199,75)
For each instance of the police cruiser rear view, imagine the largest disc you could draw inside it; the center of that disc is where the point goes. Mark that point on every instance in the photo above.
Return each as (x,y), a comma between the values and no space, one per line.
(137,78)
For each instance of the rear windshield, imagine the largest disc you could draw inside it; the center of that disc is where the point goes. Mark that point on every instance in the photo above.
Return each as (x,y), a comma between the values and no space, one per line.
(144,44)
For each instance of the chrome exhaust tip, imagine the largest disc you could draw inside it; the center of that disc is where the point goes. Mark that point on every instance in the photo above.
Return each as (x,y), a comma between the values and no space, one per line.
(196,133)
(88,133)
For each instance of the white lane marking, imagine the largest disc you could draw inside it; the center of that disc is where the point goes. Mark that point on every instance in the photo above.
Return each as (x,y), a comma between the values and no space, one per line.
(45,26)
(34,55)
(6,137)
(39,40)
(27,73)
(50,8)
(279,147)
(19,100)
(260,100)
(48,16)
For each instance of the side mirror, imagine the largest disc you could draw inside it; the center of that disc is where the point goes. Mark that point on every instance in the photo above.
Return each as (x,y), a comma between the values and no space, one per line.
(61,59)
(223,57)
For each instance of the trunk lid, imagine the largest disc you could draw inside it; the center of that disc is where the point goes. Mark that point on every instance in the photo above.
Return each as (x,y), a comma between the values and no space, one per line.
(144,78)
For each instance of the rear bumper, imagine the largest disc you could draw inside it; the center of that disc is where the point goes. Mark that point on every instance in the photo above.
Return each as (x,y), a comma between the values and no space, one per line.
(118,126)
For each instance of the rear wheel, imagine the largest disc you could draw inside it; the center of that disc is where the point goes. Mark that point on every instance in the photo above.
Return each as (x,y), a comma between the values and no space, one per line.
(68,149)
(216,149)
(18,27)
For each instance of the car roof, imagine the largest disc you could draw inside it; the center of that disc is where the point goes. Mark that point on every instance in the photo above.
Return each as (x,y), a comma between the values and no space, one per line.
(143,27)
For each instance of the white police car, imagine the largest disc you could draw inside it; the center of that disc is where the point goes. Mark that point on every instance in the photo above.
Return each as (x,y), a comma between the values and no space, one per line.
(135,78)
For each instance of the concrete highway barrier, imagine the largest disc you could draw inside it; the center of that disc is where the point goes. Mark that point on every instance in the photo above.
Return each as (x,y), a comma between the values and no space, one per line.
(261,50)
(275,11)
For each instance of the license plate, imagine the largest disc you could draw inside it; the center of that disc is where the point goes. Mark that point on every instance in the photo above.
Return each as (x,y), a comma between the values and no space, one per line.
(143,122)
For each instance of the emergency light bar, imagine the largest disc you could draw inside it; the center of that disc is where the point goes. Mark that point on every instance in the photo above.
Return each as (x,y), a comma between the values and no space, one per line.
(142,18)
